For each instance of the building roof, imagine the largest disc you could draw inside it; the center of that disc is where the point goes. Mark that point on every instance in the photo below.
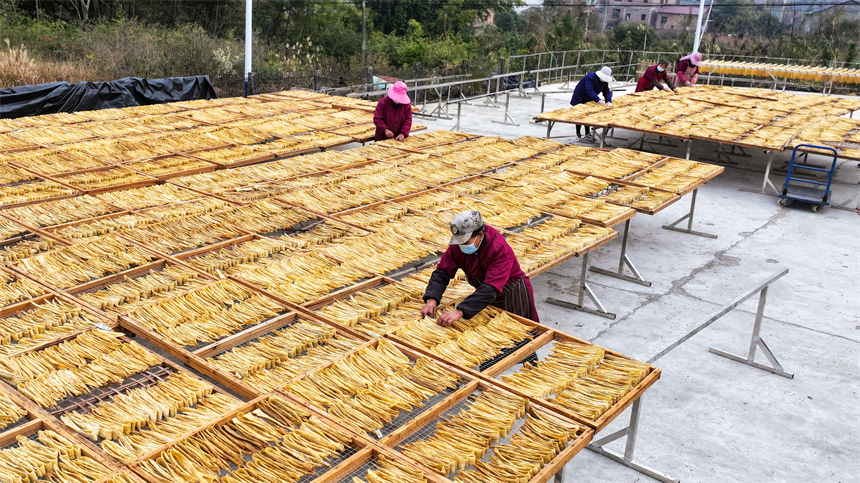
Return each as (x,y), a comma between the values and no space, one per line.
(679,10)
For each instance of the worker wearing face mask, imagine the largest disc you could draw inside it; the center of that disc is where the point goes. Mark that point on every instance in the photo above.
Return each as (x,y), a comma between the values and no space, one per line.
(393,114)
(656,77)
(490,266)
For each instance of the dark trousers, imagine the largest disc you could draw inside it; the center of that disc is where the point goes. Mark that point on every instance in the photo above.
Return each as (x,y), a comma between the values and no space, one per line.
(587,129)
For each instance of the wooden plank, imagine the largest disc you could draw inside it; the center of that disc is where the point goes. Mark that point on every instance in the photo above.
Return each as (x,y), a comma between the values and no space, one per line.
(238,338)
(30,427)
(557,464)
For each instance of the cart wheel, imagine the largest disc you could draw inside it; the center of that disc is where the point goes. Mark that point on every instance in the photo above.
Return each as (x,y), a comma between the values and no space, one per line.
(816,208)
(783,202)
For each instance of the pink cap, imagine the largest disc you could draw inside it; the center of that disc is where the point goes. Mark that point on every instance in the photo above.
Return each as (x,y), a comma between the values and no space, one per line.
(695,58)
(397,93)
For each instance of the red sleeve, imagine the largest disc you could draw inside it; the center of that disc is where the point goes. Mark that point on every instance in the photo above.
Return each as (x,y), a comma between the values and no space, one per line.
(447,264)
(407,123)
(682,66)
(499,270)
(378,113)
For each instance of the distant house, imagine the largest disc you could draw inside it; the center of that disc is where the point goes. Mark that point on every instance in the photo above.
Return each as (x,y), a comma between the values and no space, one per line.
(659,14)
(808,14)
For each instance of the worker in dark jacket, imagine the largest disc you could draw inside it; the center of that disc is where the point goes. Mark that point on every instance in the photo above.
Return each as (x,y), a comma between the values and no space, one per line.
(588,90)
(687,73)
(490,266)
(393,114)
(656,77)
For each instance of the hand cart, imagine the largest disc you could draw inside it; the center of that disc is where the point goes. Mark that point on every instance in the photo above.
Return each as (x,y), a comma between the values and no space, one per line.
(793,188)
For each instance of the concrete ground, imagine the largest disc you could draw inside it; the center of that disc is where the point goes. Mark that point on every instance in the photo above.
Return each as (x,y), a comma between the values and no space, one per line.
(709,419)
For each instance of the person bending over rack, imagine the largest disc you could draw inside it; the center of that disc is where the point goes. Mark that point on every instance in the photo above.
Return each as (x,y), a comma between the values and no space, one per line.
(588,90)
(656,77)
(393,114)
(490,266)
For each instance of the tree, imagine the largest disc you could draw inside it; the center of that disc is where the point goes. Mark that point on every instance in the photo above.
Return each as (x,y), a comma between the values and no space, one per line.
(437,17)
(331,25)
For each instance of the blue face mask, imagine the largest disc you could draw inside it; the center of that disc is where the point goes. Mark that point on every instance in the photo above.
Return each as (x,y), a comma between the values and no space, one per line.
(659,69)
(470,248)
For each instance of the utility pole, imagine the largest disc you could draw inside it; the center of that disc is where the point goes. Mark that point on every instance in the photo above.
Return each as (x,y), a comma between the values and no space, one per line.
(363,31)
(248,42)
(698,26)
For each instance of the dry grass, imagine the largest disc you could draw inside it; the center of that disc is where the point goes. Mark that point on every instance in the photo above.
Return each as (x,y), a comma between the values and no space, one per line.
(18,68)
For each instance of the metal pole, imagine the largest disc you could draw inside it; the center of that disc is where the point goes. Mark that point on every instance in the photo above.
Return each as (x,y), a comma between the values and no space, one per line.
(248,41)
(363,31)
(698,26)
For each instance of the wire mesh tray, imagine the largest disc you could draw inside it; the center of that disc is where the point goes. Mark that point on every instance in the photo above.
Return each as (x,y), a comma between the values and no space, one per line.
(29,325)
(404,418)
(353,445)
(425,427)
(538,350)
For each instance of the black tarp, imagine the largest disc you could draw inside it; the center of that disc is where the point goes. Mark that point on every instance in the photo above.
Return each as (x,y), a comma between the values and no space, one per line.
(88,96)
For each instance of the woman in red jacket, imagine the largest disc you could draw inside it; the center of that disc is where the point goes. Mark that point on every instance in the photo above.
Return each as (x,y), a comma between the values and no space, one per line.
(490,266)
(393,114)
(656,77)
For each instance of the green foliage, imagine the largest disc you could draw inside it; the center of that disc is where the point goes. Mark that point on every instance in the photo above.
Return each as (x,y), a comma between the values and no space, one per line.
(438,17)
(632,37)
(333,26)
(509,21)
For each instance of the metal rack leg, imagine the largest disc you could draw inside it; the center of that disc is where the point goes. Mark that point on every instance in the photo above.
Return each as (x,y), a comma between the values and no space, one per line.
(689,147)
(549,125)
(584,289)
(757,342)
(627,458)
(623,261)
(603,137)
(508,119)
(689,218)
(457,126)
(767,182)
(559,477)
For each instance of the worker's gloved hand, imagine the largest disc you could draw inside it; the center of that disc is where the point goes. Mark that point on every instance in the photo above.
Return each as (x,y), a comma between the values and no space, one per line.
(389,134)
(449,318)
(687,83)
(666,88)
(601,102)
(400,137)
(429,309)
(609,104)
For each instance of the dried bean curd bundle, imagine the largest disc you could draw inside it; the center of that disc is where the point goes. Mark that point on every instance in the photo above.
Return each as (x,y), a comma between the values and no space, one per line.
(14,289)
(18,330)
(76,264)
(298,278)
(466,436)
(93,359)
(50,457)
(139,198)
(129,447)
(388,471)
(206,314)
(285,442)
(134,409)
(369,303)
(61,211)
(595,393)
(271,350)
(538,441)
(566,363)
(10,413)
